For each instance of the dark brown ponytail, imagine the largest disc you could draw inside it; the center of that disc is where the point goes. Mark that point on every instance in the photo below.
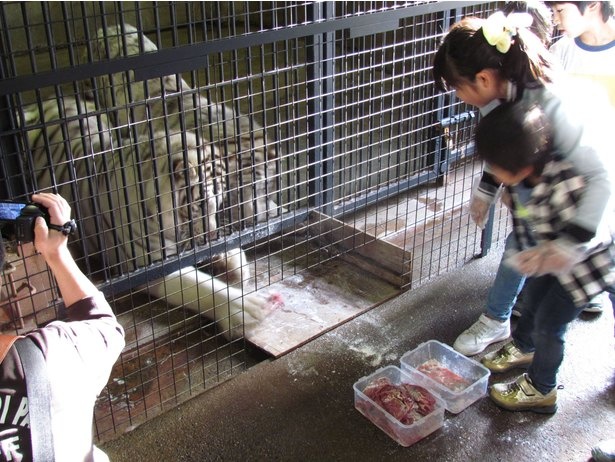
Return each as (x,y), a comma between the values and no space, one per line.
(465,52)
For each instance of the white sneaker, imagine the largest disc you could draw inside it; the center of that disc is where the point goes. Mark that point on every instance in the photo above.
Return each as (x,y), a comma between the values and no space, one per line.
(598,303)
(481,334)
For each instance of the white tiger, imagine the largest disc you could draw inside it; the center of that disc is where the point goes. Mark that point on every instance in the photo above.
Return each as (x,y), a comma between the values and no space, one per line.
(151,200)
(168,103)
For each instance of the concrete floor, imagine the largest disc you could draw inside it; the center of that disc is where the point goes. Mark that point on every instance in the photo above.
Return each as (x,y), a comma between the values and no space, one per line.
(300,406)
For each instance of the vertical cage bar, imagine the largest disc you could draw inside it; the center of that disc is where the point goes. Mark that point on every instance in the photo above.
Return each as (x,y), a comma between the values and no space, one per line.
(321,84)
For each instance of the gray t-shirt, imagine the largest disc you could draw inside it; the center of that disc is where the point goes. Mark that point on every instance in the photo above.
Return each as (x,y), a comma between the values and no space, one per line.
(79,354)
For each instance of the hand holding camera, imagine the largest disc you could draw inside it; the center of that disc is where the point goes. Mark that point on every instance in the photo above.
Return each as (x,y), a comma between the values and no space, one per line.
(51,231)
(49,225)
(18,219)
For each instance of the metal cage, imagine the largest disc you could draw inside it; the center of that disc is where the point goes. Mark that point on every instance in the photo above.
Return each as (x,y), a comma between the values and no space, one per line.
(251,141)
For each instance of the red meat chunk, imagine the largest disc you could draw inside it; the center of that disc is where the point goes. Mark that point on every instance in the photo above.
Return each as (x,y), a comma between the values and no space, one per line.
(434,369)
(406,402)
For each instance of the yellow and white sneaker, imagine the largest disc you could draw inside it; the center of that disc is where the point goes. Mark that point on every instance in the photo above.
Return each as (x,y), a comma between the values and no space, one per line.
(521,395)
(506,358)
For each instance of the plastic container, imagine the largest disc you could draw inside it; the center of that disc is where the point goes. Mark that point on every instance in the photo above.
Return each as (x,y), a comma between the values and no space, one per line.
(405,435)
(475,374)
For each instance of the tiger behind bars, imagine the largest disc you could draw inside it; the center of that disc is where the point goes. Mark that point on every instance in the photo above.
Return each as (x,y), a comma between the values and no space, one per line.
(169,103)
(139,203)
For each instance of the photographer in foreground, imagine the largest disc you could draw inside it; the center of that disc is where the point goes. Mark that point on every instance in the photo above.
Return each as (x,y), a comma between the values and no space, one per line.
(78,354)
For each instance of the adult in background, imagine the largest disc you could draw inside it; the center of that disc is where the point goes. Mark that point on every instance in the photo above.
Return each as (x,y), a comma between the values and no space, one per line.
(587,51)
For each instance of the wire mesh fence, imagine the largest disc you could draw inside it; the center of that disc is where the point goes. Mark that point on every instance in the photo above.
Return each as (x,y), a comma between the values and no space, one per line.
(213,149)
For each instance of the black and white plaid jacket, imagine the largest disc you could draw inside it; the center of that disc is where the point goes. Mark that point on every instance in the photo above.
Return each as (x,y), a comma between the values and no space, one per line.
(581,136)
(551,207)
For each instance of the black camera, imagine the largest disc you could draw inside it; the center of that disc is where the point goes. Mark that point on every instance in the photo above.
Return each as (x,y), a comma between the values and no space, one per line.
(17,220)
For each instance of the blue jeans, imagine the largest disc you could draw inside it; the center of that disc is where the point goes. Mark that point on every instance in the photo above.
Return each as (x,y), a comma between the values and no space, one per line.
(541,329)
(506,286)
(508,283)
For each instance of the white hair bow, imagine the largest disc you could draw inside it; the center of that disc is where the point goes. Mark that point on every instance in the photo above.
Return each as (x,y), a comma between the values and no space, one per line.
(499,30)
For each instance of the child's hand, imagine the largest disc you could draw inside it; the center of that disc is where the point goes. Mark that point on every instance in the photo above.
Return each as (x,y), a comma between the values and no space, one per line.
(560,257)
(479,211)
(553,257)
(480,202)
(527,262)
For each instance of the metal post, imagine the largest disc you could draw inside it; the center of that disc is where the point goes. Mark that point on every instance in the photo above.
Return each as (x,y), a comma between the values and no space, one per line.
(321,101)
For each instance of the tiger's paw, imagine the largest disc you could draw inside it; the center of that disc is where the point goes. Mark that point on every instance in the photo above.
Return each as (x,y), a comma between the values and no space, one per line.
(249,313)
(258,307)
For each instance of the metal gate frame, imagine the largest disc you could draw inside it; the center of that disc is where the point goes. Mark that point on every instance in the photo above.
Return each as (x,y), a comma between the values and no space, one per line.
(320,212)
(320,32)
